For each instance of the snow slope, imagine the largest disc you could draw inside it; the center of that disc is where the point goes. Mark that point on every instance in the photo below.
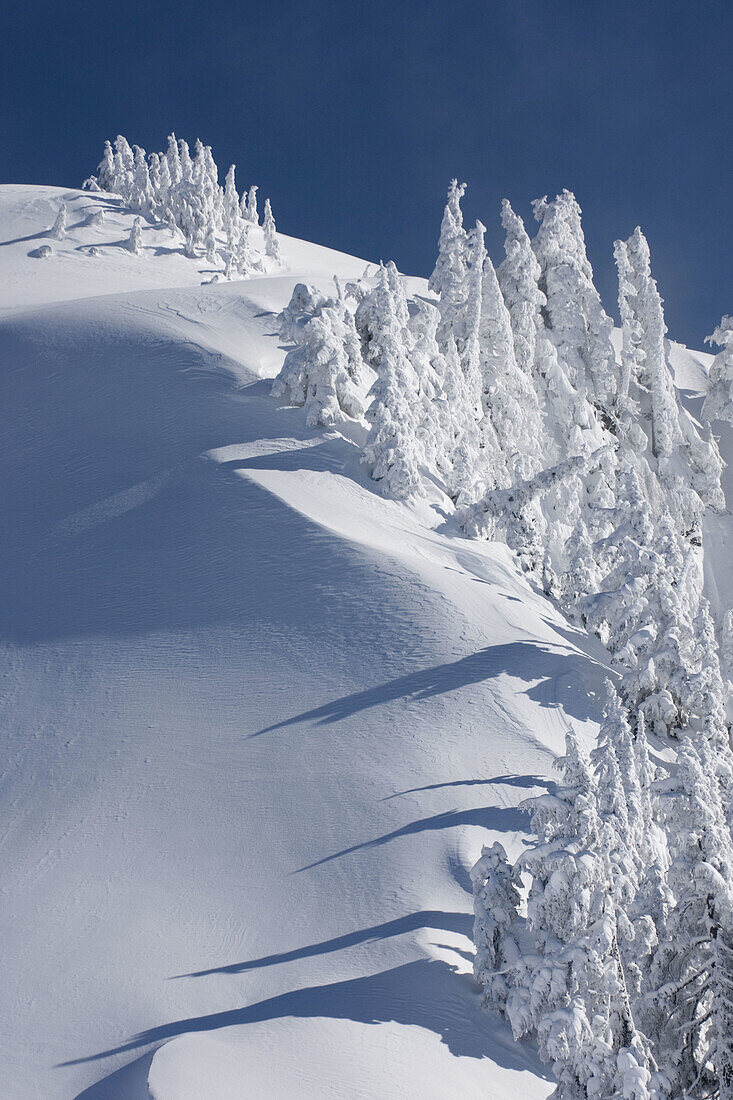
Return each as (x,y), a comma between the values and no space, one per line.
(257,720)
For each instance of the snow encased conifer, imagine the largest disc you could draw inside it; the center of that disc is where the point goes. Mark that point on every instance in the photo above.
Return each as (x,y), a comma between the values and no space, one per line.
(570,992)
(580,327)
(672,433)
(509,399)
(141,191)
(316,373)
(435,423)
(210,243)
(106,169)
(272,246)
(135,241)
(231,216)
(719,400)
(392,449)
(59,226)
(690,1007)
(496,926)
(457,280)
(249,211)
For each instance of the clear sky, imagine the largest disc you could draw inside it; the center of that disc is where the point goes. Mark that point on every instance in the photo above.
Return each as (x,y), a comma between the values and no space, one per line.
(353,116)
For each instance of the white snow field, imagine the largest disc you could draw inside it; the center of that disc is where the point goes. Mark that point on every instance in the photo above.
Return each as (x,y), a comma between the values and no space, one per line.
(257,720)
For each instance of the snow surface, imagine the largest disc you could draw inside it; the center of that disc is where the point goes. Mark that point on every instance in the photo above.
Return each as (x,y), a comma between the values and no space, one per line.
(257,720)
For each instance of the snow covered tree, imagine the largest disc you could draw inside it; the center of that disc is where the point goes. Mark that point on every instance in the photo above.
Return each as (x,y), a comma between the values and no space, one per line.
(571,427)
(515,514)
(646,332)
(633,841)
(451,244)
(58,231)
(457,280)
(509,399)
(305,302)
(704,691)
(392,449)
(690,1008)
(672,431)
(249,211)
(519,276)
(580,327)
(135,241)
(316,373)
(106,169)
(496,926)
(726,645)
(718,403)
(210,243)
(572,993)
(272,245)
(186,162)
(473,466)
(142,192)
(173,158)
(231,202)
(434,420)
(325,371)
(244,253)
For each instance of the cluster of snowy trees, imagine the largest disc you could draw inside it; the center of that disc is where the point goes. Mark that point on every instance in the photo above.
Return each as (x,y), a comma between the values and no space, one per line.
(618,960)
(182,190)
(609,942)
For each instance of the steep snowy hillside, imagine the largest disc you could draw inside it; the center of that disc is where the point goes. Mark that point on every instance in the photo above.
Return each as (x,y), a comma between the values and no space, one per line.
(257,719)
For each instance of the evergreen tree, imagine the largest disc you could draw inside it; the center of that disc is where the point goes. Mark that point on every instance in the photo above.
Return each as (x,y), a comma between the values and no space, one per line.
(250,208)
(496,926)
(580,327)
(106,169)
(671,430)
(316,373)
(392,449)
(435,423)
(173,158)
(690,1010)
(451,245)
(519,276)
(231,202)
(244,253)
(211,243)
(572,993)
(142,192)
(570,425)
(305,302)
(272,245)
(726,646)
(135,241)
(186,162)
(58,231)
(509,399)
(719,400)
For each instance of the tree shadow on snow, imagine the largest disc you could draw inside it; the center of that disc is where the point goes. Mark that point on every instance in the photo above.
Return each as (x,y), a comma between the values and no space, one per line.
(563,678)
(499,818)
(497,780)
(425,993)
(430,918)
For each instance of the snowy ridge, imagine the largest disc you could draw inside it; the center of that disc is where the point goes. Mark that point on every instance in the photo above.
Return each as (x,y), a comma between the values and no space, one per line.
(225,658)
(258,719)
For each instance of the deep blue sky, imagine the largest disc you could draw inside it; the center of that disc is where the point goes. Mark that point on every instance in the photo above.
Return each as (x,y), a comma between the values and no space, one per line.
(353,116)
